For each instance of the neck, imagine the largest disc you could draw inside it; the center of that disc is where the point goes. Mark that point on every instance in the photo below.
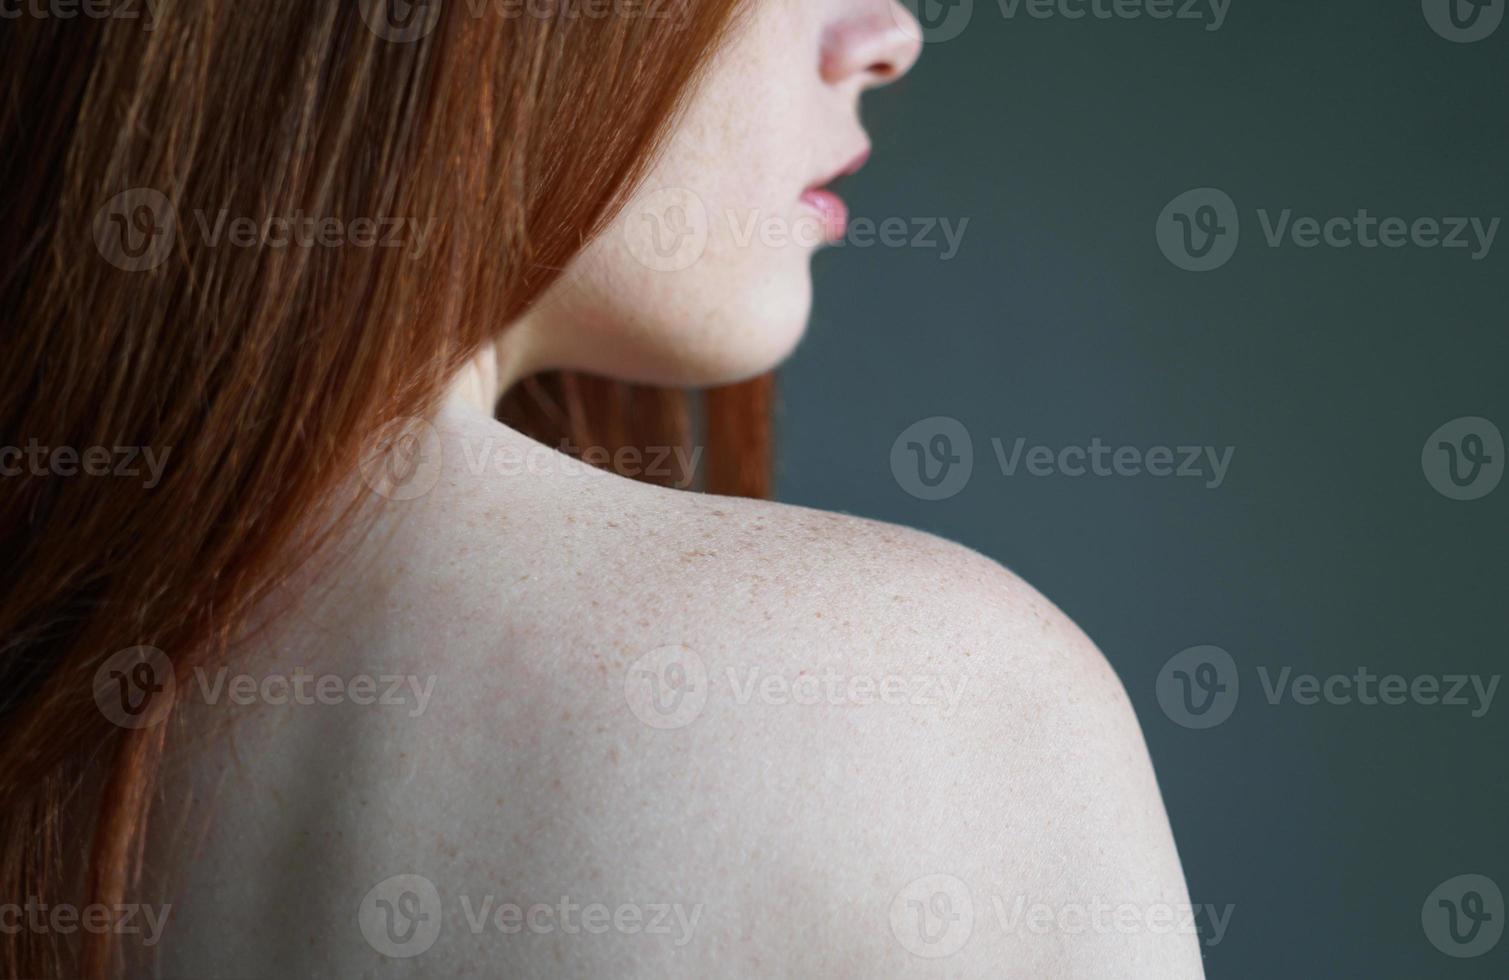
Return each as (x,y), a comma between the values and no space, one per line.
(496,368)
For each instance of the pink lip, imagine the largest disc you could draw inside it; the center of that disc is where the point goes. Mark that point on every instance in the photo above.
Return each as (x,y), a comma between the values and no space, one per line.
(831,208)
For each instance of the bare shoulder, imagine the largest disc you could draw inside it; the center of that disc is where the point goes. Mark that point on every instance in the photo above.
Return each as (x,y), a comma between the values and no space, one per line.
(603,543)
(670,734)
(805,723)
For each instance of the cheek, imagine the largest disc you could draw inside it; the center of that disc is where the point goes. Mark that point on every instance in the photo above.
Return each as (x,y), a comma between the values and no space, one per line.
(705,276)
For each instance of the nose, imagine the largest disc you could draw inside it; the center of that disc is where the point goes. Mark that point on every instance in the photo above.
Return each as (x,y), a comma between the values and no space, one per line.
(872,47)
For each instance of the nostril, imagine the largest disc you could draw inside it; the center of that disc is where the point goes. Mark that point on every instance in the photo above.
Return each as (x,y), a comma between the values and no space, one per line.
(873,50)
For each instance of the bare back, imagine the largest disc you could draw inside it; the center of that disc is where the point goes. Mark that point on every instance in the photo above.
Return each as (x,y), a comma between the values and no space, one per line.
(576,726)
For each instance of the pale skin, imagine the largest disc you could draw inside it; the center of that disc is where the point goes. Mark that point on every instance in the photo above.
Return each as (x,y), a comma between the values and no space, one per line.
(877,706)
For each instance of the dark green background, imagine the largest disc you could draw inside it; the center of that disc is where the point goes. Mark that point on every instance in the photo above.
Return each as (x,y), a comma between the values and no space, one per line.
(1060,320)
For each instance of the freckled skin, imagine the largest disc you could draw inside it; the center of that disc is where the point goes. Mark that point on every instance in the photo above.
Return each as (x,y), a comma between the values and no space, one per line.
(528,777)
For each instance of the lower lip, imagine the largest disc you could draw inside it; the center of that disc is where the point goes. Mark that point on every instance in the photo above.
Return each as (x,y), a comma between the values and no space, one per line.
(831,210)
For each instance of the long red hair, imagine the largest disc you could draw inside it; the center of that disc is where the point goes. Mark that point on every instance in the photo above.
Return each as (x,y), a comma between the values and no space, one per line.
(260,373)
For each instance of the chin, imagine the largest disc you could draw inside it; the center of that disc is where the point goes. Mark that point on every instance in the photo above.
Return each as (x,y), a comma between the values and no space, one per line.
(703,337)
(751,337)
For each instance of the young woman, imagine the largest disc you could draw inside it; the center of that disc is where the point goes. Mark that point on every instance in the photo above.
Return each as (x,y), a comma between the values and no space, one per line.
(313,667)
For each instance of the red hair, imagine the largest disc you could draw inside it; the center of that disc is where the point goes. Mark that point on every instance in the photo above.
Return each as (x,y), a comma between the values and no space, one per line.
(261,372)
